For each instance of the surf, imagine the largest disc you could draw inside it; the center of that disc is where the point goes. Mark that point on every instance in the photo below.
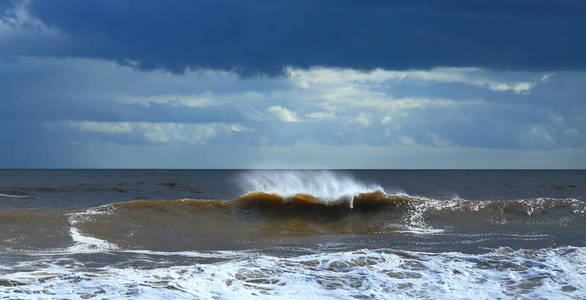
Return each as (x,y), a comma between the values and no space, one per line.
(323,186)
(386,273)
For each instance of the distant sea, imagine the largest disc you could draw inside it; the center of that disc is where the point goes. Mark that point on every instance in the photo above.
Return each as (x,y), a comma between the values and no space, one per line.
(293,234)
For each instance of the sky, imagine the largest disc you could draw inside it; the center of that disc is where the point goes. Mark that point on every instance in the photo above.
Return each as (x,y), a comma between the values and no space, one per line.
(343,84)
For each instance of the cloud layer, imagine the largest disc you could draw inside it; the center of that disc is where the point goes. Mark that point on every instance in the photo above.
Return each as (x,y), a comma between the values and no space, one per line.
(57,112)
(273,83)
(266,36)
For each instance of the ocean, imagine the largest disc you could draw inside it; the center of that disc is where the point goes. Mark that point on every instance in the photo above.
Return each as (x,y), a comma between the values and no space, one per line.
(292,234)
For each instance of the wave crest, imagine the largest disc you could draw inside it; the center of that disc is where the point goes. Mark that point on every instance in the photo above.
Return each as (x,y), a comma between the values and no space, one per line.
(376,201)
(324,185)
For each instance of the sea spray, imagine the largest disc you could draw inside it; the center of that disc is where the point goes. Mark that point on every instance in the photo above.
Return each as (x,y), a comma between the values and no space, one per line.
(326,185)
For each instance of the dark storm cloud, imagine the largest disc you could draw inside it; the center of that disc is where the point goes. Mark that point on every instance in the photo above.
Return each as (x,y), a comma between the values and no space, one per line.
(263,36)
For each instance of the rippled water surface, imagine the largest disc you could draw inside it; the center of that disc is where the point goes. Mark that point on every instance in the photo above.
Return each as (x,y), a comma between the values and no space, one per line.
(306,234)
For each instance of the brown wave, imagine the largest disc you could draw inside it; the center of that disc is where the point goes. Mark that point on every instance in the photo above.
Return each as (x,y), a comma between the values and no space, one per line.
(260,219)
(166,205)
(33,229)
(372,202)
(305,214)
(253,219)
(260,200)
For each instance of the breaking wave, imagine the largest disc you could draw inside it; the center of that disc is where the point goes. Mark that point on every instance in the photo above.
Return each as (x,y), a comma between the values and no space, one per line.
(289,234)
(174,225)
(324,185)
(218,224)
(276,206)
(378,201)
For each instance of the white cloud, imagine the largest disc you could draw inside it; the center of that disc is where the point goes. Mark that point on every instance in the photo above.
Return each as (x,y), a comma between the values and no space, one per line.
(101,127)
(194,100)
(320,77)
(306,79)
(363,119)
(517,87)
(347,98)
(545,77)
(176,100)
(159,133)
(283,114)
(342,91)
(19,28)
(340,107)
(387,120)
(322,115)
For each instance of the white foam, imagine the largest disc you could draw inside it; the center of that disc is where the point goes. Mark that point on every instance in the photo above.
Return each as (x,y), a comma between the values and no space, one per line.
(326,185)
(85,244)
(12,196)
(377,274)
(226,254)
